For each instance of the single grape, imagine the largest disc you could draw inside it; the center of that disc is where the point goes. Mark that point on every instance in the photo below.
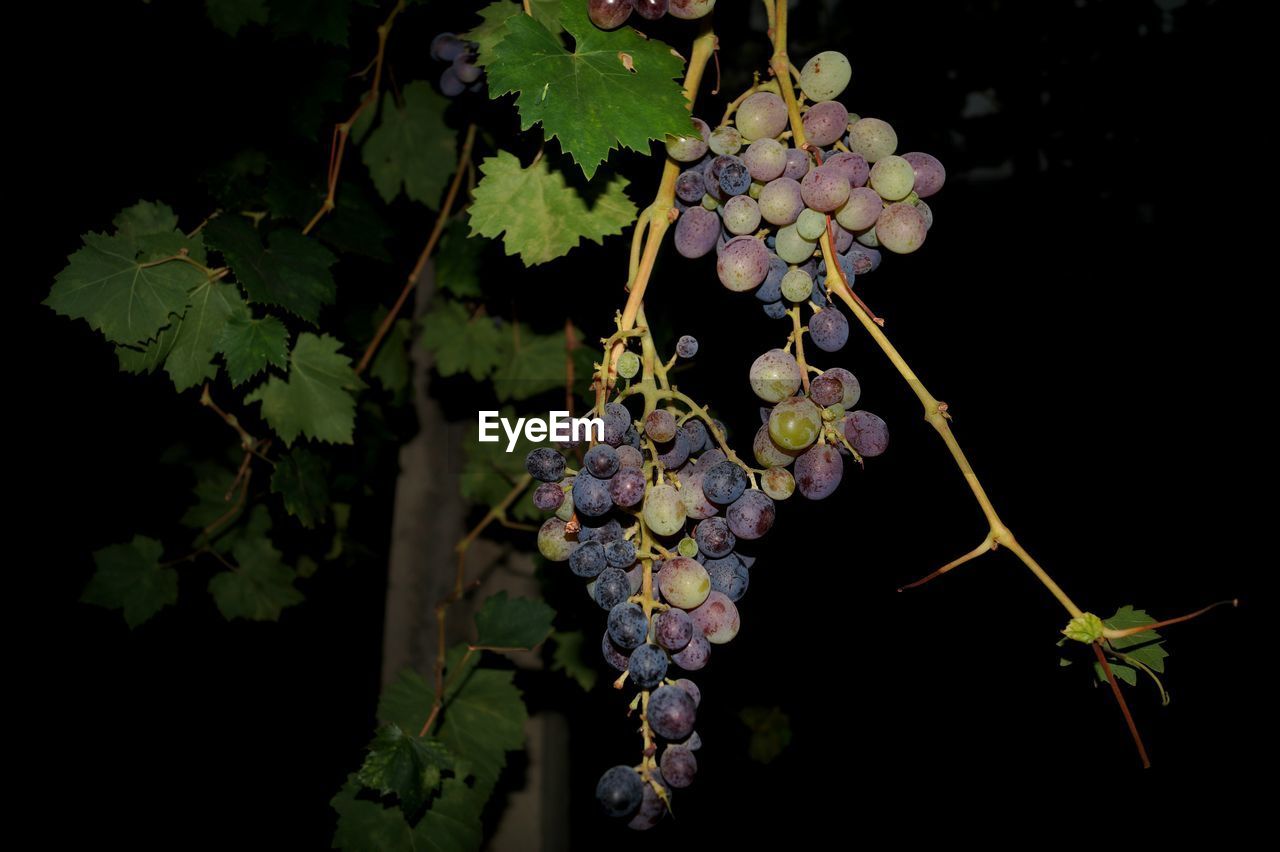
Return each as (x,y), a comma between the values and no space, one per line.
(728,575)
(465,68)
(690,187)
(660,425)
(844,239)
(771,289)
(548,496)
(824,189)
(617,420)
(672,712)
(775,375)
(591,495)
(694,430)
(826,389)
(775,310)
(818,471)
(892,177)
(751,515)
(766,159)
(717,618)
(588,559)
(930,175)
(761,116)
(565,512)
(545,464)
(450,84)
(713,536)
(825,76)
(650,10)
(684,582)
(676,452)
(778,483)
(734,177)
(868,237)
(901,228)
(825,122)
(926,213)
(767,452)
(678,766)
(673,629)
(694,692)
(648,665)
(725,140)
(652,810)
(864,258)
(853,166)
(626,488)
(687,347)
(811,225)
(620,791)
(792,247)
(723,483)
(628,365)
(795,423)
(620,553)
(692,656)
(612,588)
(663,511)
(690,147)
(691,9)
(696,232)
(635,578)
(446,47)
(872,138)
(552,542)
(780,202)
(601,461)
(741,215)
(866,433)
(743,264)
(798,164)
(797,285)
(630,457)
(861,209)
(627,625)
(829,330)
(612,655)
(609,14)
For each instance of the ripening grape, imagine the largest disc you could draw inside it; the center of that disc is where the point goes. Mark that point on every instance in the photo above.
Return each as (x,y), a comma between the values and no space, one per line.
(677,454)
(591,495)
(751,515)
(900,228)
(694,655)
(844,239)
(792,247)
(798,164)
(601,461)
(672,712)
(780,202)
(825,122)
(696,232)
(872,138)
(741,215)
(824,189)
(465,68)
(672,629)
(627,625)
(766,159)
(620,789)
(612,587)
(861,209)
(825,76)
(684,582)
(811,224)
(693,429)
(767,452)
(725,140)
(728,575)
(648,665)
(608,14)
(868,237)
(717,618)
(660,425)
(829,330)
(691,9)
(626,488)
(732,175)
(678,766)
(691,147)
(628,365)
(552,542)
(930,175)
(866,433)
(892,177)
(723,483)
(853,166)
(450,84)
(650,10)
(775,375)
(629,456)
(446,47)
(713,535)
(620,553)
(797,285)
(777,482)
(687,347)
(762,115)
(742,264)
(795,423)
(612,655)
(775,310)
(545,464)
(926,213)
(604,533)
(818,471)
(617,420)
(652,810)
(548,496)
(663,511)
(690,187)
(587,560)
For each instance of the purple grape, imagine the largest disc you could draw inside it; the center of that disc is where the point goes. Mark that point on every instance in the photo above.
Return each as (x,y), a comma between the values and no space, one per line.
(609,14)
(464,66)
(687,346)
(733,176)
(629,457)
(652,809)
(691,688)
(824,189)
(798,164)
(825,122)
(775,310)
(863,259)
(621,791)
(771,289)
(672,712)
(696,232)
(611,654)
(695,433)
(450,85)
(844,239)
(713,535)
(616,422)
(826,390)
(604,533)
(673,629)
(647,665)
(724,483)
(626,488)
(728,576)
(853,166)
(829,330)
(930,175)
(751,515)
(849,385)
(601,461)
(627,624)
(866,433)
(545,464)
(694,655)
(765,159)
(780,201)
(690,186)
(588,560)
(678,766)
(548,496)
(620,553)
(650,10)
(742,264)
(818,471)
(677,453)
(612,588)
(591,495)
(445,47)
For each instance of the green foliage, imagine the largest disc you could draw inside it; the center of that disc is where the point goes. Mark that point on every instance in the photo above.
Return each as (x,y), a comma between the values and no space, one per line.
(391,365)
(512,623)
(130,578)
(404,765)
(259,587)
(770,732)
(538,215)
(301,478)
(1129,655)
(571,658)
(231,15)
(461,342)
(249,344)
(458,261)
(493,23)
(316,400)
(410,145)
(292,273)
(588,98)
(452,824)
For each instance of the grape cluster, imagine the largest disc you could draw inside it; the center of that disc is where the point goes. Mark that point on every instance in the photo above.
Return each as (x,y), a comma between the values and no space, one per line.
(764,205)
(463,74)
(611,14)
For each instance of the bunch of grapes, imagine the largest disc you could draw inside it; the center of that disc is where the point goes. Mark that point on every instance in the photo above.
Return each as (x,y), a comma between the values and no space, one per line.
(462,74)
(763,205)
(611,14)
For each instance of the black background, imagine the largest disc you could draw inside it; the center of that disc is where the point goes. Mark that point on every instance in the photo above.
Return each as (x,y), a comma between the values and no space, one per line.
(1079,313)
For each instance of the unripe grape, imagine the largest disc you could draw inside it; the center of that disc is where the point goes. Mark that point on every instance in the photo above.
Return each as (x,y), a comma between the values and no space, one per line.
(825,75)
(872,138)
(795,423)
(684,583)
(663,511)
(892,177)
(775,375)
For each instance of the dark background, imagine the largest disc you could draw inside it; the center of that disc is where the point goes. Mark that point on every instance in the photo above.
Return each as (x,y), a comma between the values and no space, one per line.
(1075,304)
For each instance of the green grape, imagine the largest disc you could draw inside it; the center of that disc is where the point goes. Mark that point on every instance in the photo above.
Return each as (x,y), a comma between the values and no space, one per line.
(684,583)
(709,202)
(812,224)
(767,452)
(552,542)
(663,511)
(628,365)
(725,140)
(778,483)
(792,247)
(868,237)
(797,285)
(775,375)
(825,76)
(861,210)
(872,138)
(893,178)
(795,423)
(687,547)
(755,189)
(565,512)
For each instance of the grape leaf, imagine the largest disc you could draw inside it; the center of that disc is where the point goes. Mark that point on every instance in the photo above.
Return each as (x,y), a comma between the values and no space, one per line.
(1146,647)
(145,219)
(412,146)
(451,824)
(249,344)
(516,623)
(230,15)
(458,261)
(493,24)
(259,587)
(588,98)
(213,483)
(461,343)
(391,365)
(293,273)
(129,577)
(301,479)
(106,285)
(150,357)
(190,360)
(404,765)
(534,364)
(542,216)
(770,732)
(316,399)
(568,657)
